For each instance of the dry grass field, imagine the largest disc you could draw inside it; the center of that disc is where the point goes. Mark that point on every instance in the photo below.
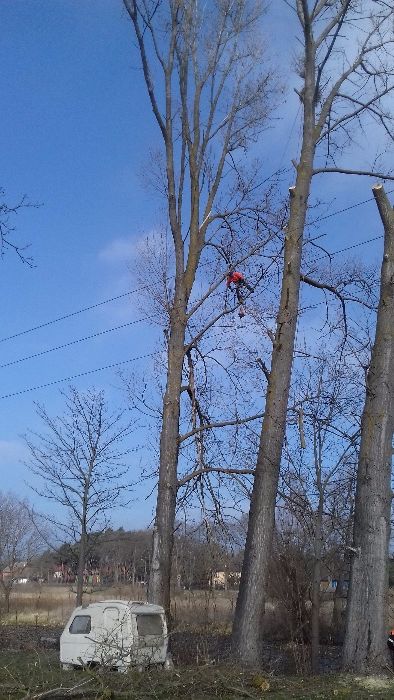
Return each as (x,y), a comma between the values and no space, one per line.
(44,605)
(52,605)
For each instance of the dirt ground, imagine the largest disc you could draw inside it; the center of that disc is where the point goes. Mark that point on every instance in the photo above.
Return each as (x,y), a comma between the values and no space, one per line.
(188,648)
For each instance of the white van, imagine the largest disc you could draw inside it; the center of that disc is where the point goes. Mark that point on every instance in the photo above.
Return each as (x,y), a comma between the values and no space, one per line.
(115,633)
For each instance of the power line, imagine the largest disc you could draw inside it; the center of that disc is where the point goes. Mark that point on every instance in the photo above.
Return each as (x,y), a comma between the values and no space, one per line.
(117,364)
(73,313)
(75,376)
(350,247)
(134,291)
(138,289)
(71,342)
(345,209)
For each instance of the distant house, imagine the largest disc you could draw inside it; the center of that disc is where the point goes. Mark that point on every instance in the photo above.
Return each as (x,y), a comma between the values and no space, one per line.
(17,573)
(62,573)
(225,579)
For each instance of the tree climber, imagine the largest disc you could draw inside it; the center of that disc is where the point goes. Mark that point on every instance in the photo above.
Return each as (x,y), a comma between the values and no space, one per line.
(239,281)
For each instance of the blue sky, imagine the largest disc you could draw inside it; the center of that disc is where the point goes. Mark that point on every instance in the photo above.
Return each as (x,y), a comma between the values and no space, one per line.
(76,129)
(74,135)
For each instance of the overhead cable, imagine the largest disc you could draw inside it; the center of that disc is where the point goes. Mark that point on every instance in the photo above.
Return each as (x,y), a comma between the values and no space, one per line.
(350,247)
(73,313)
(138,289)
(76,376)
(71,342)
(345,209)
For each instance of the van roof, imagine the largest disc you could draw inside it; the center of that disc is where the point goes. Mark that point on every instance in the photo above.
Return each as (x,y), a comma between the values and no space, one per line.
(138,606)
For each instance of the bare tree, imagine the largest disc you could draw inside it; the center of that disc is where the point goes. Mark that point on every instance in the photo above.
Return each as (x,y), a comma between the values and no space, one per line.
(210,99)
(19,542)
(365,646)
(320,468)
(341,88)
(79,464)
(8,212)
(290,585)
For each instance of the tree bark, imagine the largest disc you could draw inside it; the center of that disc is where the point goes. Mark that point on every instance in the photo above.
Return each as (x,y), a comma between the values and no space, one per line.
(365,646)
(81,567)
(251,598)
(163,534)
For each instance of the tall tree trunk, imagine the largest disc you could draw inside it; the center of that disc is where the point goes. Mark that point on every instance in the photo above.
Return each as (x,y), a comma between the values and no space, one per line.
(365,647)
(163,534)
(202,75)
(251,598)
(81,567)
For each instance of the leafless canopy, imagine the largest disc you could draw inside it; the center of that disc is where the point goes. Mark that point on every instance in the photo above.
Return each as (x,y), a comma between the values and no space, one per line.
(79,463)
(210,96)
(19,541)
(353,45)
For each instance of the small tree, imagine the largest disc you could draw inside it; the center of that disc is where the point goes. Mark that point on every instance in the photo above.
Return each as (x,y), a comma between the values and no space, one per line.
(79,462)
(19,542)
(317,476)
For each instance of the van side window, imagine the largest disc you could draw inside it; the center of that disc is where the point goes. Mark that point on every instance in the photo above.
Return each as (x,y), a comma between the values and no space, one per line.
(81,624)
(149,625)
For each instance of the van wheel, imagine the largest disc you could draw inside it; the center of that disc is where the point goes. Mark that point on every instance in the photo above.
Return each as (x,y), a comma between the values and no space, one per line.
(67,667)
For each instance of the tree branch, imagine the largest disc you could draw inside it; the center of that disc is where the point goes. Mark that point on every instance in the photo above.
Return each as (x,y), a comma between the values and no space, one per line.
(219,424)
(329,288)
(348,171)
(131,9)
(209,470)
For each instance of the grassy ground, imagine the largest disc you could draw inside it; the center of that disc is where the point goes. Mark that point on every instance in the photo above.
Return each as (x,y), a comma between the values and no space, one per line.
(199,647)
(31,676)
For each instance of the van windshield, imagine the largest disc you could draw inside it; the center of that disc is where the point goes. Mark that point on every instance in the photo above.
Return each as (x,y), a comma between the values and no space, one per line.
(149,625)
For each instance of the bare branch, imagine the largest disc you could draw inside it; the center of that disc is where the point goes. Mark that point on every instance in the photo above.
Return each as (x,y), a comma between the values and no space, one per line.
(131,9)
(219,424)
(336,22)
(211,470)
(348,171)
